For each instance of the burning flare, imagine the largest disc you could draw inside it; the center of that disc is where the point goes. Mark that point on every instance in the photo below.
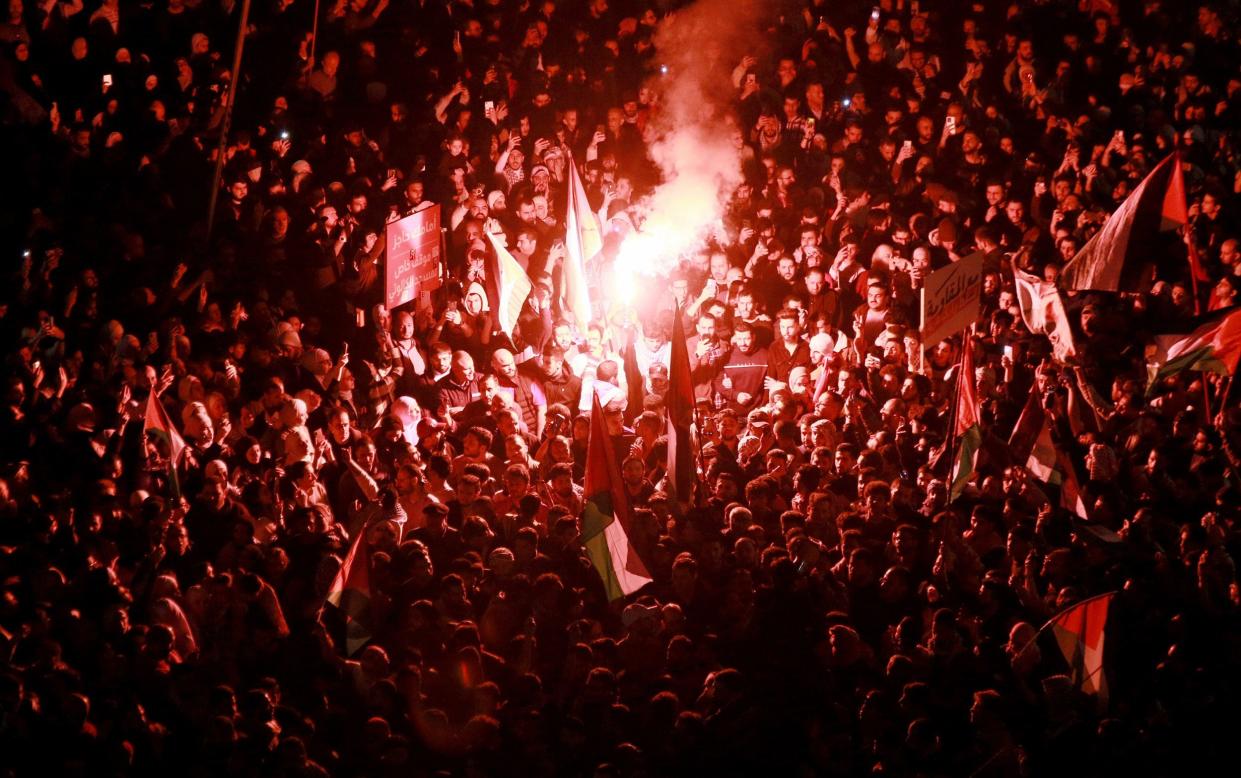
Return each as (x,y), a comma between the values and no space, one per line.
(694,142)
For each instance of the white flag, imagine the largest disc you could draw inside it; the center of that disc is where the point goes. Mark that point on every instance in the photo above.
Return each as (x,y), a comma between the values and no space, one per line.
(583,240)
(514,286)
(1042,309)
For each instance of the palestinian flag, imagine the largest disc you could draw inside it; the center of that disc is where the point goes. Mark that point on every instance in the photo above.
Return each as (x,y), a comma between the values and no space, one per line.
(634,380)
(1119,256)
(157,424)
(1071,498)
(1027,436)
(583,240)
(968,426)
(1079,633)
(679,409)
(1033,444)
(1215,346)
(606,515)
(351,594)
(513,286)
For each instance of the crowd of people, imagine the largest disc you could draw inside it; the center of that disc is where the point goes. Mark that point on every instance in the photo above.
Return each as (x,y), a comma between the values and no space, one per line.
(819,604)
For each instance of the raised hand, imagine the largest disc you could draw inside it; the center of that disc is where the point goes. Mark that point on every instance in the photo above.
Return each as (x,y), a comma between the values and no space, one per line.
(166,378)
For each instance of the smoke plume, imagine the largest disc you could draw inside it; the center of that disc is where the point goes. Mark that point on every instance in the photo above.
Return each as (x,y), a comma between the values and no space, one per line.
(692,144)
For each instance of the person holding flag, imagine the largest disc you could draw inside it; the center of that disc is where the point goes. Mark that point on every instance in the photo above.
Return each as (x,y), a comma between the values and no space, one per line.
(1034,445)
(157,425)
(1079,632)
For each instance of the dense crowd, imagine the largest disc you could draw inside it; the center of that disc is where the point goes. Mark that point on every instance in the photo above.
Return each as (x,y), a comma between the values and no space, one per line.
(818,605)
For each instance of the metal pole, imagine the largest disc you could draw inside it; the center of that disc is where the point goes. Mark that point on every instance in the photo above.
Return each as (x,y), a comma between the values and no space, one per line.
(231,97)
(314,36)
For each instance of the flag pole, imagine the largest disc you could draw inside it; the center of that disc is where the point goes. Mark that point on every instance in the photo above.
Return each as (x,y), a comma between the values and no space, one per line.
(945,448)
(699,459)
(921,330)
(231,97)
(314,35)
(1188,236)
(1192,247)
(1191,244)
(1192,256)
(950,440)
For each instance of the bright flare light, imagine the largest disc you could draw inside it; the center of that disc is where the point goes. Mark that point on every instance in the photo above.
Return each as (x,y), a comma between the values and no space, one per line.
(681,214)
(694,144)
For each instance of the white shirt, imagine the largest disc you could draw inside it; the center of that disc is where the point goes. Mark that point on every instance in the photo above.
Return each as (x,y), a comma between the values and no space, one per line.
(411,353)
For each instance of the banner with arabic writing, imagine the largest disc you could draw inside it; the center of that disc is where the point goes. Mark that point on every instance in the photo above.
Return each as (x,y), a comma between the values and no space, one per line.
(951,298)
(413,256)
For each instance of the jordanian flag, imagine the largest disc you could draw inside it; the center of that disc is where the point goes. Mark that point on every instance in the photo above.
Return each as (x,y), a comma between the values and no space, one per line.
(679,407)
(606,516)
(1215,346)
(156,424)
(968,427)
(1079,634)
(351,593)
(1118,257)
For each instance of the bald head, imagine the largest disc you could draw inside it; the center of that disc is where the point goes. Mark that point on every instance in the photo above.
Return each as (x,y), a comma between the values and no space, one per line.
(403,325)
(504,363)
(462,366)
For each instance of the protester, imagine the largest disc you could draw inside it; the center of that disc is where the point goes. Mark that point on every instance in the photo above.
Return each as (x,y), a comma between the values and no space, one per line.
(255,521)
